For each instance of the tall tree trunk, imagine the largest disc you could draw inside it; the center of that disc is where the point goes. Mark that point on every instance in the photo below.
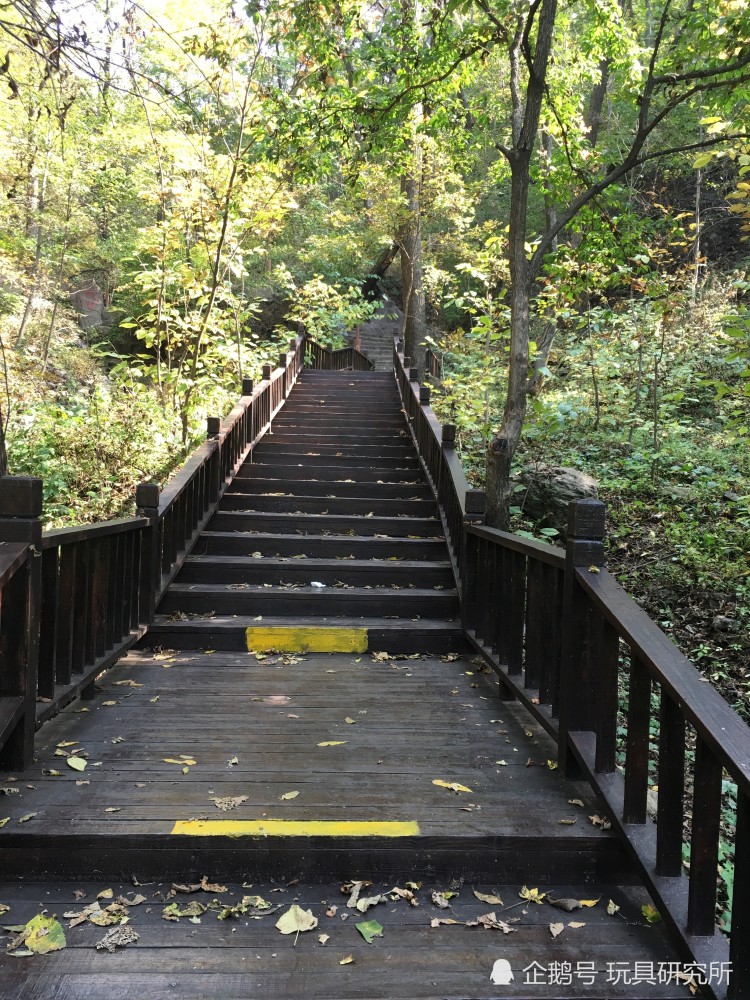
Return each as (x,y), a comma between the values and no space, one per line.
(503,445)
(371,286)
(410,243)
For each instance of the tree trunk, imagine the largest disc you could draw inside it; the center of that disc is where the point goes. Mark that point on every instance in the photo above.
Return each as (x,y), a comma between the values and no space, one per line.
(410,243)
(371,286)
(503,445)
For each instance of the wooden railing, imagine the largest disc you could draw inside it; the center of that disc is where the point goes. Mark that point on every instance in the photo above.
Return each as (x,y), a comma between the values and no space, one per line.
(557,629)
(73,600)
(343,359)
(433,364)
(458,503)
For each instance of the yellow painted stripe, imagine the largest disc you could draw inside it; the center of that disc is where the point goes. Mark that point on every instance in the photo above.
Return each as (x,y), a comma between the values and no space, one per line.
(293,828)
(306,640)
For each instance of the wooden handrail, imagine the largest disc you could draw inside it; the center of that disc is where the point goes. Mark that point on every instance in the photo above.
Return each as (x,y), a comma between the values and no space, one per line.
(76,598)
(553,624)
(341,359)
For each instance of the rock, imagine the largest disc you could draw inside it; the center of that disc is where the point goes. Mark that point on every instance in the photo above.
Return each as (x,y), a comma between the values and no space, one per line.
(549,490)
(88,302)
(723,623)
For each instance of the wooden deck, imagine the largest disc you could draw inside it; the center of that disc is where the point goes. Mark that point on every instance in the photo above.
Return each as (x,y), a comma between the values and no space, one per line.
(415,720)
(294,707)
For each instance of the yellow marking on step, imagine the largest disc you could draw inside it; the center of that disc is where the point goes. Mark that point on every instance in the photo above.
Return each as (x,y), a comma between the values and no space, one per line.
(306,640)
(294,828)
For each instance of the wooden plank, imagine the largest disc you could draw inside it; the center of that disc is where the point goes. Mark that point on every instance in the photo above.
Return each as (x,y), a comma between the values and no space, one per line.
(637,743)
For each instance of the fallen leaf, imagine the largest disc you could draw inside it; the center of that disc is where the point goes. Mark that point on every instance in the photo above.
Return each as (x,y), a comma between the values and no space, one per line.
(396,893)
(6,819)
(77,763)
(323,938)
(105,894)
(182,761)
(370,929)
(575,802)
(556,929)
(128,683)
(67,743)
(438,921)
(600,821)
(490,922)
(174,911)
(651,913)
(589,902)
(347,961)
(232,762)
(3,908)
(41,935)
(289,795)
(108,704)
(333,743)
(365,902)
(331,911)
(228,802)
(296,920)
(27,817)
(612,908)
(50,772)
(113,809)
(533,895)
(349,721)
(453,785)
(488,898)
(567,822)
(576,924)
(118,937)
(440,899)
(154,699)
(565,904)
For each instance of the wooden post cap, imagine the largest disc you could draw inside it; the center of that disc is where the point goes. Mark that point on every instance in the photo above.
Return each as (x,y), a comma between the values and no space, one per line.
(213,426)
(413,374)
(475,501)
(449,435)
(20,496)
(586,519)
(267,369)
(146,495)
(424,395)
(247,387)
(282,360)
(407,361)
(293,344)
(399,345)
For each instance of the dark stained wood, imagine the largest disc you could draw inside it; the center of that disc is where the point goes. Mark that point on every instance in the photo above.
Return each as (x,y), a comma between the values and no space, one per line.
(704,841)
(739,953)
(637,743)
(48,638)
(671,789)
(607,653)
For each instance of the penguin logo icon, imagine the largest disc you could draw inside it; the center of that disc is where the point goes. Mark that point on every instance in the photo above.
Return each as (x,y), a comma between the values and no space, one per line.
(502,974)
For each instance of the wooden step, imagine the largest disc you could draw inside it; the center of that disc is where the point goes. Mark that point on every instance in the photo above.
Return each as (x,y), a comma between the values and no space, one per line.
(314,487)
(223,632)
(232,543)
(389,452)
(313,461)
(336,438)
(404,603)
(362,506)
(316,524)
(307,473)
(355,572)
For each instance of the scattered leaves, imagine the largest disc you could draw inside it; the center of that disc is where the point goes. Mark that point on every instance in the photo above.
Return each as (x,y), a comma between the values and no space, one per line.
(532,895)
(488,898)
(556,929)
(77,763)
(296,920)
(490,922)
(118,937)
(41,935)
(228,802)
(452,785)
(369,929)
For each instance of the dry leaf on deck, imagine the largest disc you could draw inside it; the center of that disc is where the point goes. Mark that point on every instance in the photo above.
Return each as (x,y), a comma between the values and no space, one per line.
(556,929)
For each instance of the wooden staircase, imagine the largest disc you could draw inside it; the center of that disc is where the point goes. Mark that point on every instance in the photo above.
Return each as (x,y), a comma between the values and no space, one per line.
(326,540)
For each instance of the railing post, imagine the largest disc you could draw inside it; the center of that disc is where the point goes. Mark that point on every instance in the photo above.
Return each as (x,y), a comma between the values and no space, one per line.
(20,521)
(424,395)
(247,387)
(578,687)
(267,369)
(413,374)
(213,427)
(147,503)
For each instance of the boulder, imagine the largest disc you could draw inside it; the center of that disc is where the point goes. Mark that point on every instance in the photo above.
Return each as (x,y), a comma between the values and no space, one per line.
(88,302)
(548,491)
